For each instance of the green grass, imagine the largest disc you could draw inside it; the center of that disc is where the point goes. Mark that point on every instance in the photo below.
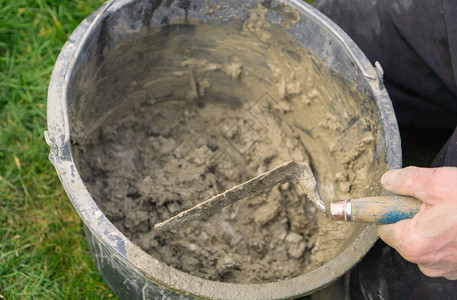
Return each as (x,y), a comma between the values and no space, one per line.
(43,251)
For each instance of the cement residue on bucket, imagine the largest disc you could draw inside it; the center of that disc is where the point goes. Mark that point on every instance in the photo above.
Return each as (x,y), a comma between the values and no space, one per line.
(187,111)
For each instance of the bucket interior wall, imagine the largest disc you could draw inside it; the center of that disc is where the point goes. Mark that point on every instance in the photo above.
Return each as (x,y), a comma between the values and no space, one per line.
(239,90)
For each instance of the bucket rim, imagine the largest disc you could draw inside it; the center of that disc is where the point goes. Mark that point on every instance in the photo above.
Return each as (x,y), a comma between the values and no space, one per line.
(58,138)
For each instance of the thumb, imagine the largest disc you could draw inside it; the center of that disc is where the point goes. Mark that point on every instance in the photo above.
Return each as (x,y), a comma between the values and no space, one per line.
(426,184)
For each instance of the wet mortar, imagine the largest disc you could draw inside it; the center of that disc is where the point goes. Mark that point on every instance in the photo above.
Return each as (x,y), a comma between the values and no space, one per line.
(196,109)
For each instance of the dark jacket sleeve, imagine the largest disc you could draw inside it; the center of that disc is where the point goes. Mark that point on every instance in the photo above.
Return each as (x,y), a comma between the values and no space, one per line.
(416,43)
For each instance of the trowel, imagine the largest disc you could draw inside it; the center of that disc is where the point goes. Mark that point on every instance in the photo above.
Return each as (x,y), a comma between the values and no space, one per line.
(379,210)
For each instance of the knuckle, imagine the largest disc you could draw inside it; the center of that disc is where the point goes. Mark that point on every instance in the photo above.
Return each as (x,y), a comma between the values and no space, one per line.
(438,178)
(414,248)
(451,275)
(431,272)
(410,255)
(450,272)
(408,177)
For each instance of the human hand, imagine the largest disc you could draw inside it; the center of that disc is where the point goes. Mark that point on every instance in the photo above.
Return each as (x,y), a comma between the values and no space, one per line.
(429,239)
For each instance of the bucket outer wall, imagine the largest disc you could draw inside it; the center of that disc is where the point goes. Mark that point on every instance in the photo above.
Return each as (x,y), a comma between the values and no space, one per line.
(129,271)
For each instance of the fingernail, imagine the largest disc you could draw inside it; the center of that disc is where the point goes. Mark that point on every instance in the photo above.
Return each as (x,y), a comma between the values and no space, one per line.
(387,178)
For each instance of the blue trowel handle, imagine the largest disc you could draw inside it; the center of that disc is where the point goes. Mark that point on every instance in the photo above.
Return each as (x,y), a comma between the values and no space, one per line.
(380,210)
